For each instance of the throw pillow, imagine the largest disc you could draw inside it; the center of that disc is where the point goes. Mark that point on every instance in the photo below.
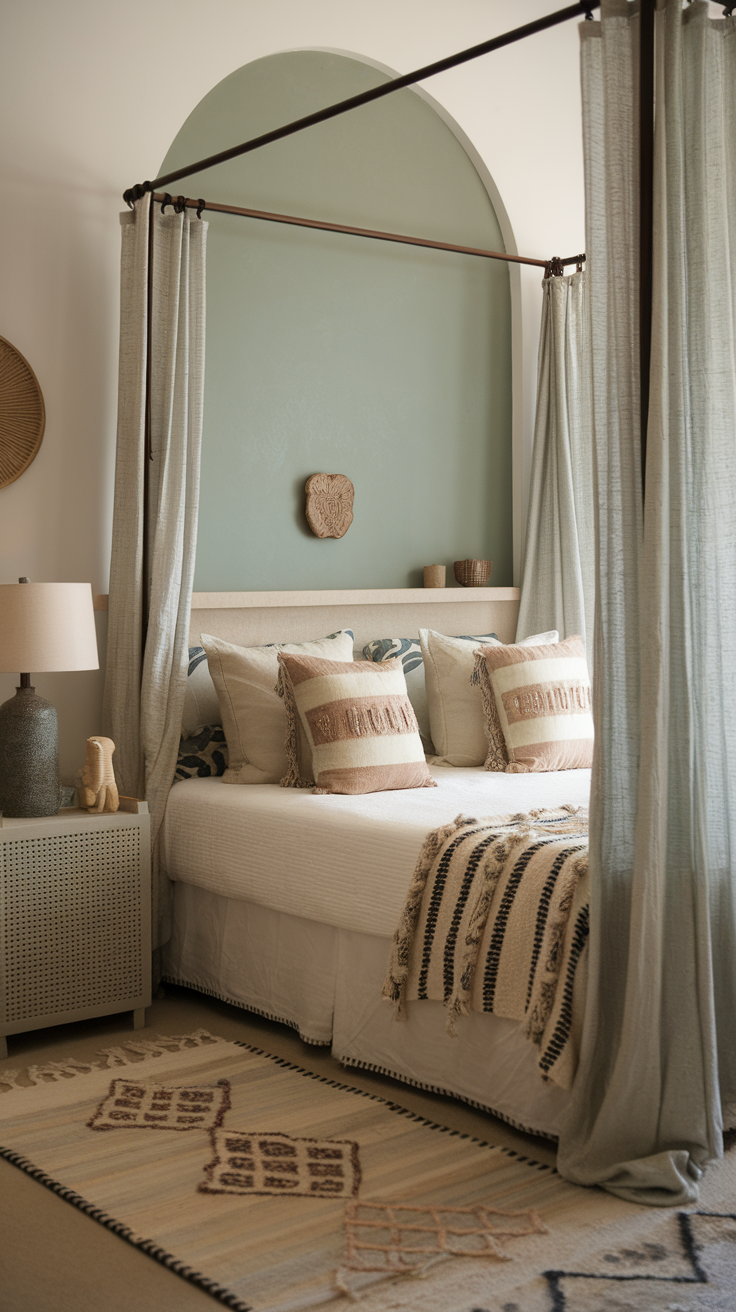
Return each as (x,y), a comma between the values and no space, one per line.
(201,706)
(359,724)
(202,756)
(409,652)
(455,704)
(538,700)
(253,717)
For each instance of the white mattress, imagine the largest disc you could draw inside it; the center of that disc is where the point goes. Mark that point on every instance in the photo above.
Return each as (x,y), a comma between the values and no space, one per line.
(342,861)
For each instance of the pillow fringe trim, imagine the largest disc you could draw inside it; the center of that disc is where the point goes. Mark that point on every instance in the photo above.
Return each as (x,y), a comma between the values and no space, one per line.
(293,777)
(497,758)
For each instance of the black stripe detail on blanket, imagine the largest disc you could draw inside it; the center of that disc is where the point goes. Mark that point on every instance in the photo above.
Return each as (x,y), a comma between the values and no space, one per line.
(434,906)
(458,913)
(542,914)
(493,956)
(562,1028)
(496,919)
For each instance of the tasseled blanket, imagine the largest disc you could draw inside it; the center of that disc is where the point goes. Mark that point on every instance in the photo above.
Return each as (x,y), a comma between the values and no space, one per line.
(496,919)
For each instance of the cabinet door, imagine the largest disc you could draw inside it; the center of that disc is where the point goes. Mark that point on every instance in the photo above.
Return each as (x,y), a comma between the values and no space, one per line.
(73,923)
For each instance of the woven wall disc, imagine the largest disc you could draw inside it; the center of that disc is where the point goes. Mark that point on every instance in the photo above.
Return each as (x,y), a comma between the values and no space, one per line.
(22,414)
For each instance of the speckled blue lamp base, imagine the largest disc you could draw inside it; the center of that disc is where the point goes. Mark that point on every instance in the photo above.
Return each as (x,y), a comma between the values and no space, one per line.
(29,756)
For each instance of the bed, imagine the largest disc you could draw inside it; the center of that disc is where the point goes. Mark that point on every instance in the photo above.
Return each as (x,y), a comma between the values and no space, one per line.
(285,902)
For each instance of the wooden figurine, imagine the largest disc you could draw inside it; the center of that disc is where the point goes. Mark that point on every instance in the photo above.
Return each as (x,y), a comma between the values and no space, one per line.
(329,504)
(97,790)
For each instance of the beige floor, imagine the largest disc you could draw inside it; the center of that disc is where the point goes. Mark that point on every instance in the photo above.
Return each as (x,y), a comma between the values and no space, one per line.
(53,1258)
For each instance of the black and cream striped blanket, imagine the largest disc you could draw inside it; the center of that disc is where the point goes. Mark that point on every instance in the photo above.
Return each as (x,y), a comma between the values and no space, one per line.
(496,919)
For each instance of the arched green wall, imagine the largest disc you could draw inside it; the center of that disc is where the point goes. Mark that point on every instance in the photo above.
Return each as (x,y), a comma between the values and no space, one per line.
(330,353)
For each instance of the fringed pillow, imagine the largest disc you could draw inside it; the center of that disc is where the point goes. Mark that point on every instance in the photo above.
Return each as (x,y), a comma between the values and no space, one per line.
(358,722)
(202,755)
(536,703)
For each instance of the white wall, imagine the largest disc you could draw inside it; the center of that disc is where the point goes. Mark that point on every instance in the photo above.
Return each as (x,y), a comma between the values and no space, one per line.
(91,95)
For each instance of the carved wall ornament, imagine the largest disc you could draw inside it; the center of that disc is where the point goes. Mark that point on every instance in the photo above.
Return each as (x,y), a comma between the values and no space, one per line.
(329,504)
(22,414)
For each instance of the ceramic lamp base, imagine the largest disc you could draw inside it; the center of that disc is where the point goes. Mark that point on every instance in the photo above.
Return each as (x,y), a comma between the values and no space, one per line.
(29,756)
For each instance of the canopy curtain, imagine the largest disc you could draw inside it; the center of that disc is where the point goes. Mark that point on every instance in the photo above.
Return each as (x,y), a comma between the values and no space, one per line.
(658,1060)
(144,694)
(557,589)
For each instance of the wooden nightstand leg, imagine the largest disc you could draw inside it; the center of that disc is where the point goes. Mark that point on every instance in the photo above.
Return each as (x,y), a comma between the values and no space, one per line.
(3,1047)
(139,1018)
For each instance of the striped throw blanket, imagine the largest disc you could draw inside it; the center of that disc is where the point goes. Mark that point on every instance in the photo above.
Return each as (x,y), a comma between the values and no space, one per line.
(496,919)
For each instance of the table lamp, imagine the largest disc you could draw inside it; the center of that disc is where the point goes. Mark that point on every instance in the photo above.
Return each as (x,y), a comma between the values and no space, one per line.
(43,627)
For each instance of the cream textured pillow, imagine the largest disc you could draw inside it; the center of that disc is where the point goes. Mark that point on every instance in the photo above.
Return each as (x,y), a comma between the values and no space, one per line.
(253,716)
(538,700)
(456,705)
(409,652)
(360,727)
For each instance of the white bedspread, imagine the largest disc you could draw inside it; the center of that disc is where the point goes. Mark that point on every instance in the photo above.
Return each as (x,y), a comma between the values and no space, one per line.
(344,861)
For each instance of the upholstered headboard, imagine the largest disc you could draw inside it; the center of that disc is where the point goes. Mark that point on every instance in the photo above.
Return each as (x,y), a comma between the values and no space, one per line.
(252,618)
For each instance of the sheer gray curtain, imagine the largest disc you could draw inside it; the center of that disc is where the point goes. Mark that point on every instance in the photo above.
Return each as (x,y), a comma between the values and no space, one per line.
(125,610)
(557,589)
(144,698)
(659,1051)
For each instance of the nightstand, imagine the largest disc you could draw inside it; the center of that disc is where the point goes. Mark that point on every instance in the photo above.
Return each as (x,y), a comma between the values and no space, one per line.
(75,919)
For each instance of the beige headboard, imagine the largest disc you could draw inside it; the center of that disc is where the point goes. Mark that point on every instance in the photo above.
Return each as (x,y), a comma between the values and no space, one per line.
(252,618)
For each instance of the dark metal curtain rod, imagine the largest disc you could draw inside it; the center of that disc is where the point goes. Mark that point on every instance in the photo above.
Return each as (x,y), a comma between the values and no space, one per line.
(583,8)
(182,202)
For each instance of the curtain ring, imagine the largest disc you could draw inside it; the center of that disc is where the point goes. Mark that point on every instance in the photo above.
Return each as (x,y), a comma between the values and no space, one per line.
(166,201)
(180,204)
(200,206)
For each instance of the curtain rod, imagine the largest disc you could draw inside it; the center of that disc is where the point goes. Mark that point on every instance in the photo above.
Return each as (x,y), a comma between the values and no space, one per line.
(551,266)
(583,8)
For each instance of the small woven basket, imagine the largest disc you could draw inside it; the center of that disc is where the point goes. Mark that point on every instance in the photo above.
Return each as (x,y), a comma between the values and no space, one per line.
(473,573)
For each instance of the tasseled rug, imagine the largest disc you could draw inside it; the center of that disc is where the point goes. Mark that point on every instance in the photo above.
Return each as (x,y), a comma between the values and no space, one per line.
(274,1189)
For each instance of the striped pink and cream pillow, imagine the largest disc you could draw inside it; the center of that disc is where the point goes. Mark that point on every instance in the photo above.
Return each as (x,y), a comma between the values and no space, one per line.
(537,707)
(359,725)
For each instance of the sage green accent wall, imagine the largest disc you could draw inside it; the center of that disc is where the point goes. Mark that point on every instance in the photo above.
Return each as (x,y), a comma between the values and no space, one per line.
(331,353)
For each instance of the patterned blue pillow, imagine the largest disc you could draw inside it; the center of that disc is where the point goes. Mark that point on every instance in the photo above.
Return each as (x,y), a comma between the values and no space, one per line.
(409,652)
(201,706)
(204,756)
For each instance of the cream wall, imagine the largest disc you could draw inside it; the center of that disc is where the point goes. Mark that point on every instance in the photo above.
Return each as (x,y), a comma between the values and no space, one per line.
(92,94)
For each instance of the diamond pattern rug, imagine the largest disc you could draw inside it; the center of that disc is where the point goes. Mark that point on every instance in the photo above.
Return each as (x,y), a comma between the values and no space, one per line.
(257,1200)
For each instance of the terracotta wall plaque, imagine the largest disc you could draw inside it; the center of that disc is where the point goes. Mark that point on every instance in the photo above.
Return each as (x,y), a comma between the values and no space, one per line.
(329,504)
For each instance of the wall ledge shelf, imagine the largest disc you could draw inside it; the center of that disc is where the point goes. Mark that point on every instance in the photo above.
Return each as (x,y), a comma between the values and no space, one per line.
(349,597)
(337,597)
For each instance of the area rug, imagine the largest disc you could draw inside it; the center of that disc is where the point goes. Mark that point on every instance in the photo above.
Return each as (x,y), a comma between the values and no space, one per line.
(275,1189)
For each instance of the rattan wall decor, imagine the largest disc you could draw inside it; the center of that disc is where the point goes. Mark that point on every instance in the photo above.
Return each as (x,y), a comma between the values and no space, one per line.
(22,414)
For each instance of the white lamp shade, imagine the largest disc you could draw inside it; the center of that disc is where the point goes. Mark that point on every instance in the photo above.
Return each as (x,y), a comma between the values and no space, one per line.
(47,626)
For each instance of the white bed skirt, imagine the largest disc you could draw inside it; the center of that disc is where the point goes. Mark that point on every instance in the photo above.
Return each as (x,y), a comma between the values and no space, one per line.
(326,983)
